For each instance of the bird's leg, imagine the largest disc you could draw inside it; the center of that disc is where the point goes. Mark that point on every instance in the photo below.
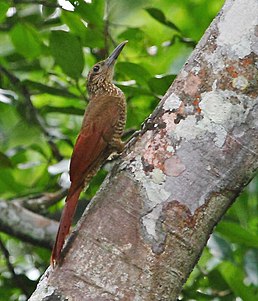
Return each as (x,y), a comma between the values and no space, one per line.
(117,145)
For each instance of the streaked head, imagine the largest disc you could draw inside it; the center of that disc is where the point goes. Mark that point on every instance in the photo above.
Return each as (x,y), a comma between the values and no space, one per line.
(103,71)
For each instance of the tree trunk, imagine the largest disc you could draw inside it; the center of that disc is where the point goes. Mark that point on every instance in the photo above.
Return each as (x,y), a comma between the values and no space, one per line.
(145,229)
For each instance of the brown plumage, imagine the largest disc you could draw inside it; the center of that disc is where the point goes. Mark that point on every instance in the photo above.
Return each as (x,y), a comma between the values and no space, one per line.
(100,136)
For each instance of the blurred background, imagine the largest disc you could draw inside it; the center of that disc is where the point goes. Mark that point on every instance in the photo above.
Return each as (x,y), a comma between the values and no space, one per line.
(46,50)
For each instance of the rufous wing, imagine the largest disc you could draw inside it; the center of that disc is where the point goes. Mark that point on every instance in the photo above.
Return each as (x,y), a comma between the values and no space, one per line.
(87,149)
(88,152)
(97,131)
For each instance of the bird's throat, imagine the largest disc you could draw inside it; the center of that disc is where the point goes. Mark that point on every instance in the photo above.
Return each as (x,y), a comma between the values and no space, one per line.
(106,88)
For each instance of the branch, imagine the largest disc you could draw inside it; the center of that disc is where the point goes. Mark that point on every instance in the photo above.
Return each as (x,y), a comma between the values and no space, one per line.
(38,203)
(26,225)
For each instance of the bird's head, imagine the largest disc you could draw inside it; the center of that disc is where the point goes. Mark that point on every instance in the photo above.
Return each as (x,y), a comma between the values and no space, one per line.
(102,72)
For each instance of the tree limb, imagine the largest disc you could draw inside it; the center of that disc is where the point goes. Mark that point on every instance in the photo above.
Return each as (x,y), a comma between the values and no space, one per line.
(26,225)
(37,203)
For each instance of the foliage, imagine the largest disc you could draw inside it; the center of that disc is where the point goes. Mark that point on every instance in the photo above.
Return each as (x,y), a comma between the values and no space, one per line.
(46,50)
(228,267)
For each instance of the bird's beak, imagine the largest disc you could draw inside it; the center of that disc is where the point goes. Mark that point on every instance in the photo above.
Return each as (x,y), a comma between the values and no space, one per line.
(114,55)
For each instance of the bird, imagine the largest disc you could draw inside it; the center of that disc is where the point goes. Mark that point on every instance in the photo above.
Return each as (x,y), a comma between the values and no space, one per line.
(100,136)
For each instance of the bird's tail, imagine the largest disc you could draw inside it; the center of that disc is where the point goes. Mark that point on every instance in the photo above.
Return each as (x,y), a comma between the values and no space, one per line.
(65,223)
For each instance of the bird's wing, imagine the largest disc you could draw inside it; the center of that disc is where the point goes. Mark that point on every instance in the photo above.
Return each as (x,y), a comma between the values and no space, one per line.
(93,140)
(87,154)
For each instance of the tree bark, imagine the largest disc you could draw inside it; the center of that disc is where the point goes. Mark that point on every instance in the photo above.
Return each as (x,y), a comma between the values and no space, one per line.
(144,231)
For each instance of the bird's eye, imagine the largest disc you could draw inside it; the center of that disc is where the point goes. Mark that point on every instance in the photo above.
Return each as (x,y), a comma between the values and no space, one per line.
(96,68)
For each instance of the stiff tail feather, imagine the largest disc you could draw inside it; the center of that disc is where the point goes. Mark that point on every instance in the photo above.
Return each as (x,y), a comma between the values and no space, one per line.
(65,223)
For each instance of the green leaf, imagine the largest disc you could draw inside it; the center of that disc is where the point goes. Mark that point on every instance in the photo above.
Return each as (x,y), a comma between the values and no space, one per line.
(237,234)
(160,85)
(8,185)
(26,40)
(48,11)
(139,107)
(67,51)
(92,12)
(187,41)
(234,277)
(94,38)
(73,21)
(133,71)
(4,6)
(131,34)
(217,281)
(158,15)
